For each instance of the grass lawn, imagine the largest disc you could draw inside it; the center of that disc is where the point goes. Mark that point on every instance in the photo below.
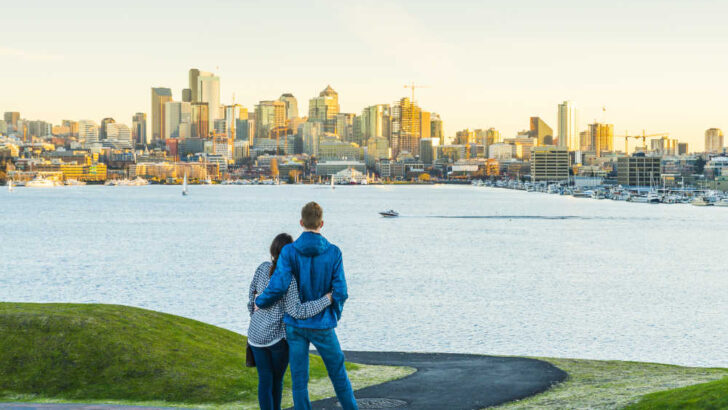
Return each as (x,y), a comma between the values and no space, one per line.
(713,395)
(120,354)
(616,384)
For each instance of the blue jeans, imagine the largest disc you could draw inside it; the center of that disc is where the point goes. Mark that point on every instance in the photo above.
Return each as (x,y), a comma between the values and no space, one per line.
(271,363)
(327,345)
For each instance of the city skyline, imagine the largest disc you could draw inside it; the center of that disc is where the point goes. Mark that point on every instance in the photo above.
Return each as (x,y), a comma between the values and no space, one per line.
(486,66)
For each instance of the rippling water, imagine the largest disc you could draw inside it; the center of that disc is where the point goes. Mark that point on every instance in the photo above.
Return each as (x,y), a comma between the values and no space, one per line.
(463,270)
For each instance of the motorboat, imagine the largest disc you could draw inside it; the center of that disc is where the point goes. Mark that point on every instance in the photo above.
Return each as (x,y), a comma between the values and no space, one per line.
(700,201)
(722,202)
(389,214)
(41,182)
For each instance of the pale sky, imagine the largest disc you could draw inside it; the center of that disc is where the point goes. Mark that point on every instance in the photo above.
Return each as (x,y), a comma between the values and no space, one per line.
(657,65)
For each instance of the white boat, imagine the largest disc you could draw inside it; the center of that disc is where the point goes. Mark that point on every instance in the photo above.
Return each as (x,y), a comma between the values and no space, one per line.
(184,185)
(653,198)
(332,182)
(10,185)
(40,182)
(74,182)
(722,202)
(389,214)
(139,181)
(700,201)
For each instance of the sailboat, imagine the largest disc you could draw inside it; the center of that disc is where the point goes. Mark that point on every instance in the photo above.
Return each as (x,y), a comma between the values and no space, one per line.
(184,185)
(10,185)
(332,182)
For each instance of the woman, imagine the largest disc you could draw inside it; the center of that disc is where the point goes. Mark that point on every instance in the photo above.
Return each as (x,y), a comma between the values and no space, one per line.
(266,333)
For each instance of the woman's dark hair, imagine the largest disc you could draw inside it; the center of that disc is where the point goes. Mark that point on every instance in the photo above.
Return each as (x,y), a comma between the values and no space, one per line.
(279,242)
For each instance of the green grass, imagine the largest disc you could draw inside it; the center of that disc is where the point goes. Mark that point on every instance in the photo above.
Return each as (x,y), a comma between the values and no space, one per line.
(713,395)
(598,384)
(110,353)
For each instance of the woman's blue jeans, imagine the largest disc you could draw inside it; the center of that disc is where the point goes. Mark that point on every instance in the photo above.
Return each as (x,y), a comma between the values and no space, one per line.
(271,363)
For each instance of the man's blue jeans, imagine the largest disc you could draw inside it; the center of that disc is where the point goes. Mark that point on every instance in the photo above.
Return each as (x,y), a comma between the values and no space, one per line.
(327,345)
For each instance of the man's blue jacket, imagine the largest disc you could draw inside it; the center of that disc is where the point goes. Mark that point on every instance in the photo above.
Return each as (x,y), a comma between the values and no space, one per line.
(319,269)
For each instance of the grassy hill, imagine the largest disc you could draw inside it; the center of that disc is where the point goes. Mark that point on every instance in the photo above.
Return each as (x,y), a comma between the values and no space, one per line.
(713,395)
(91,352)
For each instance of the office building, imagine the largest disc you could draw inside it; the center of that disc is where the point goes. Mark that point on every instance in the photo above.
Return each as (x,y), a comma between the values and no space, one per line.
(638,170)
(270,117)
(11,121)
(291,105)
(713,140)
(541,131)
(405,127)
(376,121)
(436,128)
(377,148)
(568,126)
(186,95)
(682,148)
(139,128)
(102,128)
(88,132)
(72,126)
(599,138)
(178,119)
(428,150)
(160,96)
(200,120)
(208,89)
(425,124)
(120,133)
(549,163)
(323,109)
(345,126)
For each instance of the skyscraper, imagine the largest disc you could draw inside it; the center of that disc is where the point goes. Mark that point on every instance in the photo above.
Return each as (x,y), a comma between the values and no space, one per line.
(119,133)
(102,130)
(541,131)
(376,121)
(436,128)
(208,89)
(601,138)
(713,140)
(291,105)
(405,127)
(139,128)
(177,119)
(425,130)
(324,108)
(345,126)
(200,120)
(269,115)
(160,96)
(568,122)
(11,119)
(88,132)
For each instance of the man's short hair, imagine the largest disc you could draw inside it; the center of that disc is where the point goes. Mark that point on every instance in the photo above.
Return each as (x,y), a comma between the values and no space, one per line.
(311,215)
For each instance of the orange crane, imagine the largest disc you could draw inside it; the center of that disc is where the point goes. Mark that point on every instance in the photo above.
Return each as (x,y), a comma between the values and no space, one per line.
(644,139)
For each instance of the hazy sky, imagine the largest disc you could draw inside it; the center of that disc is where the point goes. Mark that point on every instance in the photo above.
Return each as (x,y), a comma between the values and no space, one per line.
(659,65)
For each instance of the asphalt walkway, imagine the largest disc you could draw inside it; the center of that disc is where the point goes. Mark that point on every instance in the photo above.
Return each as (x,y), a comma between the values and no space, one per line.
(452,381)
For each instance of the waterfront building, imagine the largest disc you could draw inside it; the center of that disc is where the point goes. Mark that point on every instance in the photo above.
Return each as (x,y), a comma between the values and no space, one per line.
(713,140)
(160,171)
(291,105)
(269,116)
(549,163)
(177,119)
(323,109)
(160,96)
(638,170)
(539,130)
(332,167)
(349,176)
(436,128)
(568,126)
(428,150)
(139,128)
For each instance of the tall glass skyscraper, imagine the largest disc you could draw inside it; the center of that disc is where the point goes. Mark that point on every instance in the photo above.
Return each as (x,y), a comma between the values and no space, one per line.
(568,126)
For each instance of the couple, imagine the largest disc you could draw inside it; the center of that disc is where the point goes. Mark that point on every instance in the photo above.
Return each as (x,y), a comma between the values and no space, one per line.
(294,300)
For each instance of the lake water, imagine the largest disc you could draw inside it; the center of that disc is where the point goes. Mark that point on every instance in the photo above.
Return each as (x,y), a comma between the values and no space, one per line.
(464,269)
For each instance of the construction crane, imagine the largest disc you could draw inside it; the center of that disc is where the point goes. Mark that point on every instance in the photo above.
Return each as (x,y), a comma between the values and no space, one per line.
(644,137)
(412,87)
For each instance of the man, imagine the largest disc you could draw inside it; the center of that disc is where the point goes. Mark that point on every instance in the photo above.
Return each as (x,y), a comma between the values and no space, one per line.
(318,268)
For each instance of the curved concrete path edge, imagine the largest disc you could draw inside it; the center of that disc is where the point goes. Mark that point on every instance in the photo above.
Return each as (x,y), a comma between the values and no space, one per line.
(452,381)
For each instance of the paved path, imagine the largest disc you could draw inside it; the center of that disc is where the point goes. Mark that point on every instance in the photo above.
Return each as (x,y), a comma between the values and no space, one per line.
(452,381)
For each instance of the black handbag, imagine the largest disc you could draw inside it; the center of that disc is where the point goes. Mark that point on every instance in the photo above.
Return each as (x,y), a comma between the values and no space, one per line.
(249,358)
